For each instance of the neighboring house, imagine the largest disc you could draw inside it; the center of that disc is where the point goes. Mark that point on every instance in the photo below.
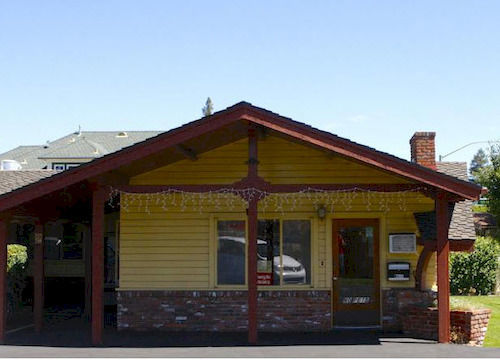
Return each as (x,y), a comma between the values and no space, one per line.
(73,149)
(249,221)
(64,248)
(485,224)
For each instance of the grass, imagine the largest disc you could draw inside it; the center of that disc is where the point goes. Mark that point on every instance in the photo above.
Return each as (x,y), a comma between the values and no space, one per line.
(489,302)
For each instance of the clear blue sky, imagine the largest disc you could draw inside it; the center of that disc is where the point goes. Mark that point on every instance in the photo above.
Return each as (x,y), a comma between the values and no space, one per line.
(371,71)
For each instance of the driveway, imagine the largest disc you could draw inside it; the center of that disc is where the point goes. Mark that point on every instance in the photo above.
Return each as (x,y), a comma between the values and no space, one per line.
(73,341)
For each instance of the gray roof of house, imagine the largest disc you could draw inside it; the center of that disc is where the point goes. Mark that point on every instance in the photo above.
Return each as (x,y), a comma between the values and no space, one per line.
(461,222)
(15,179)
(82,145)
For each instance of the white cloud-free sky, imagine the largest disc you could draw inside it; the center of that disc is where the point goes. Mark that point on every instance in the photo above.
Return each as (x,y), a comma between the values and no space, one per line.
(372,71)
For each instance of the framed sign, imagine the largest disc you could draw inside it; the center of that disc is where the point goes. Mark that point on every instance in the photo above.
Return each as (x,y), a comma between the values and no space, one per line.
(404,243)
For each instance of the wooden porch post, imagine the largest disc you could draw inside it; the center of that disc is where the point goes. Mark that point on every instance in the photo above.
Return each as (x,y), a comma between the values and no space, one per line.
(3,277)
(97,265)
(443,281)
(252,239)
(252,272)
(38,278)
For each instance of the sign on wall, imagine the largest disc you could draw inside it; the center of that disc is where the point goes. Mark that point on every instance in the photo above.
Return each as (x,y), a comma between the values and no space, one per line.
(402,243)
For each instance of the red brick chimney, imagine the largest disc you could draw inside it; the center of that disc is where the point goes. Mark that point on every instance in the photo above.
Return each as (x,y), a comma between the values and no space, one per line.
(423,149)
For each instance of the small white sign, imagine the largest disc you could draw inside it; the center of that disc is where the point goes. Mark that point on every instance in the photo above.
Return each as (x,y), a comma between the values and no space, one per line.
(402,243)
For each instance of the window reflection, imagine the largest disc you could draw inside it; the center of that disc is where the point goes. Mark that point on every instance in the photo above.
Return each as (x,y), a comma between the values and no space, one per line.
(231,252)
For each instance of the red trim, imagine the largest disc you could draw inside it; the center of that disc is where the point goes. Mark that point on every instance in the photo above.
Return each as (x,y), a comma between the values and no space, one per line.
(252,179)
(38,278)
(97,265)
(363,153)
(455,245)
(3,278)
(443,281)
(252,154)
(241,111)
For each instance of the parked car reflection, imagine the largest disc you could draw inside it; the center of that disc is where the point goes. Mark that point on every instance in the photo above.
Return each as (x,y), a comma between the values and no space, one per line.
(232,252)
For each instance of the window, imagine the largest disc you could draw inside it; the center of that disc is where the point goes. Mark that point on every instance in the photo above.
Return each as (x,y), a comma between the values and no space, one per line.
(231,252)
(69,247)
(64,166)
(286,264)
(283,252)
(268,252)
(296,252)
(59,167)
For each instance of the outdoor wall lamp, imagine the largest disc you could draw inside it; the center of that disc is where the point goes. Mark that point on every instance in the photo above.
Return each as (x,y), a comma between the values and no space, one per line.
(321,211)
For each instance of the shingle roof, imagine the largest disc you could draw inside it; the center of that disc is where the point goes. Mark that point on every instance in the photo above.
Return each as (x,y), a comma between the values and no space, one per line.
(81,145)
(462,221)
(26,155)
(15,179)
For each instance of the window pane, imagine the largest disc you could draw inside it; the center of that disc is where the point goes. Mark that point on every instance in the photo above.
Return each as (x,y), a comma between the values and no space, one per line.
(296,252)
(72,242)
(356,281)
(268,252)
(231,252)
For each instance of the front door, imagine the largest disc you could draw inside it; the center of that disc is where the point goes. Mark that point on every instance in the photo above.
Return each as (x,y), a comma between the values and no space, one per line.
(356,285)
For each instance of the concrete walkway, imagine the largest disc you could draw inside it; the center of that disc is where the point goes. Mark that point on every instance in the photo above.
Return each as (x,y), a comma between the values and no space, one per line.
(73,341)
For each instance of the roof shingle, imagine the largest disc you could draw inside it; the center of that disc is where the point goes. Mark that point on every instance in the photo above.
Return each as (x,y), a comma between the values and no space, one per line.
(15,179)
(462,221)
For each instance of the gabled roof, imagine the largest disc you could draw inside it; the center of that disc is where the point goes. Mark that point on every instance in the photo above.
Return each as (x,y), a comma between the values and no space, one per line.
(242,112)
(81,145)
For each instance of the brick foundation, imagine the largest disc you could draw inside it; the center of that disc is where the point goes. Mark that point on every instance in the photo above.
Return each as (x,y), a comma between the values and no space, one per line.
(396,301)
(223,310)
(466,326)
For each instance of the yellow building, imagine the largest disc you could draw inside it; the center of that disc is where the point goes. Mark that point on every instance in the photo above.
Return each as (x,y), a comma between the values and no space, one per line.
(246,220)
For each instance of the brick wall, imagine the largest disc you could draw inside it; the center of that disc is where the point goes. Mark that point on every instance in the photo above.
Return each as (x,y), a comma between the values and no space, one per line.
(466,326)
(223,310)
(395,302)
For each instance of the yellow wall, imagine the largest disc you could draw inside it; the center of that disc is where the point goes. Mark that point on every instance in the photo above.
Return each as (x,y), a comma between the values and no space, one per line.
(175,248)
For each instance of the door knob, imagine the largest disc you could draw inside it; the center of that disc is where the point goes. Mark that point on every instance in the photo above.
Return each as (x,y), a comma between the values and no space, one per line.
(335,278)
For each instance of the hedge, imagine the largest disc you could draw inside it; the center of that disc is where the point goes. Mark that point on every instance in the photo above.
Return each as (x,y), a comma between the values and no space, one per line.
(475,273)
(17,257)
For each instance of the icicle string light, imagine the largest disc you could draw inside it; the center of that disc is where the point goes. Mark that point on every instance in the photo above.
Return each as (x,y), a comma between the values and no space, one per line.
(231,199)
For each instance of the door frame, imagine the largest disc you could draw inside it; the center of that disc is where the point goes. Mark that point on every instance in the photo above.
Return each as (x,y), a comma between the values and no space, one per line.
(361,220)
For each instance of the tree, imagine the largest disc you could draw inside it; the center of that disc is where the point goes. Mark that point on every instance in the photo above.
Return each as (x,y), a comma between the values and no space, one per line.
(208,109)
(489,177)
(479,161)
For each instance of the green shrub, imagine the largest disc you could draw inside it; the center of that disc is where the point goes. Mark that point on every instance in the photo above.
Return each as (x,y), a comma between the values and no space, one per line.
(475,273)
(17,257)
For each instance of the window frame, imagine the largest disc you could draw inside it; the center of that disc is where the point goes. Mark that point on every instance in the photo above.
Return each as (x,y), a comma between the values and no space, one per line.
(267,216)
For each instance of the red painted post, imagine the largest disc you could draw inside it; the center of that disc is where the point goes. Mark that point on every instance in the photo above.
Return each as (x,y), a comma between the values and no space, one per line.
(252,240)
(252,271)
(38,278)
(443,281)
(97,266)
(3,277)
